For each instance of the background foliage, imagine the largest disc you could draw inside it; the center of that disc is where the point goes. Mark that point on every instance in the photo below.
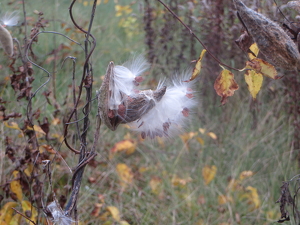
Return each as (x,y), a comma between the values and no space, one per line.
(226,168)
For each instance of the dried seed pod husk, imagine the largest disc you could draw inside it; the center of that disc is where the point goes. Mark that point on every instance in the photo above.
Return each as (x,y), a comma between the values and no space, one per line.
(6,41)
(272,41)
(139,104)
(107,115)
(131,107)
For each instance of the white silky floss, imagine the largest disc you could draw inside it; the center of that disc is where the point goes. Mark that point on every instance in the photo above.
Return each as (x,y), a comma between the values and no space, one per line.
(171,111)
(58,216)
(10,19)
(126,78)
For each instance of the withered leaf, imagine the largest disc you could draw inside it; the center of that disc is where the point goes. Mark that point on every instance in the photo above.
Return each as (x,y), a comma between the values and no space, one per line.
(197,68)
(285,200)
(225,85)
(244,42)
(263,67)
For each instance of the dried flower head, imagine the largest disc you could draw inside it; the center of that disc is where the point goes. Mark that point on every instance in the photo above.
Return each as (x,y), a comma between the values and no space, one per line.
(10,19)
(270,38)
(58,217)
(159,112)
(6,41)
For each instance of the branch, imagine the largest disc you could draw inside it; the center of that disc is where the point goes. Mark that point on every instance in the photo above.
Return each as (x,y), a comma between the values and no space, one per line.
(195,36)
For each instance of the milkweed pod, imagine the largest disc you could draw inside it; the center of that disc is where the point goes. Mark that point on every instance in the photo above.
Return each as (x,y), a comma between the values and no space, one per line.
(57,215)
(171,110)
(6,41)
(107,115)
(272,41)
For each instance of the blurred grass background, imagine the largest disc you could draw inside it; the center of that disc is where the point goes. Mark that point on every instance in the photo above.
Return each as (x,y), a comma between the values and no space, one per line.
(167,184)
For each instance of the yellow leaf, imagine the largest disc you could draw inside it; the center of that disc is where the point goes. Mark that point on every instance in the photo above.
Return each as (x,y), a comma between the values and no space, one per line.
(188,136)
(273,215)
(253,197)
(122,9)
(143,169)
(55,121)
(16,219)
(58,136)
(126,145)
(200,140)
(125,174)
(197,68)
(202,131)
(16,188)
(114,211)
(209,173)
(85,3)
(245,174)
(6,213)
(223,199)
(254,81)
(225,85)
(156,185)
(123,222)
(28,209)
(36,128)
(29,169)
(12,125)
(212,135)
(177,181)
(234,185)
(104,216)
(254,48)
(263,67)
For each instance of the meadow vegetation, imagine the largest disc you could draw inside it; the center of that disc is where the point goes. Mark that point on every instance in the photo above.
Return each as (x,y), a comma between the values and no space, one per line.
(226,167)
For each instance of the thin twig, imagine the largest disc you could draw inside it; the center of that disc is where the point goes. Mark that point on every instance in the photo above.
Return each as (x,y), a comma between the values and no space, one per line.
(26,217)
(87,77)
(195,36)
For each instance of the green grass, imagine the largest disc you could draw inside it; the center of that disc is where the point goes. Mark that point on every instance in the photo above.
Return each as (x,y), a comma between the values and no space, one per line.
(265,149)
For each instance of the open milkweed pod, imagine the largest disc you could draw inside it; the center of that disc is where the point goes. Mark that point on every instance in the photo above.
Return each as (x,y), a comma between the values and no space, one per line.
(272,41)
(171,110)
(107,115)
(119,101)
(6,41)
(57,215)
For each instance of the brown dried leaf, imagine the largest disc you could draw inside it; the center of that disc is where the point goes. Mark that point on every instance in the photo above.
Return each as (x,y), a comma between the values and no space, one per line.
(225,85)
(263,67)
(244,42)
(285,200)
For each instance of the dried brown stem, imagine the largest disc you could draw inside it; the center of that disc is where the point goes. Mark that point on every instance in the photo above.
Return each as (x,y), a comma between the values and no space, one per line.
(23,215)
